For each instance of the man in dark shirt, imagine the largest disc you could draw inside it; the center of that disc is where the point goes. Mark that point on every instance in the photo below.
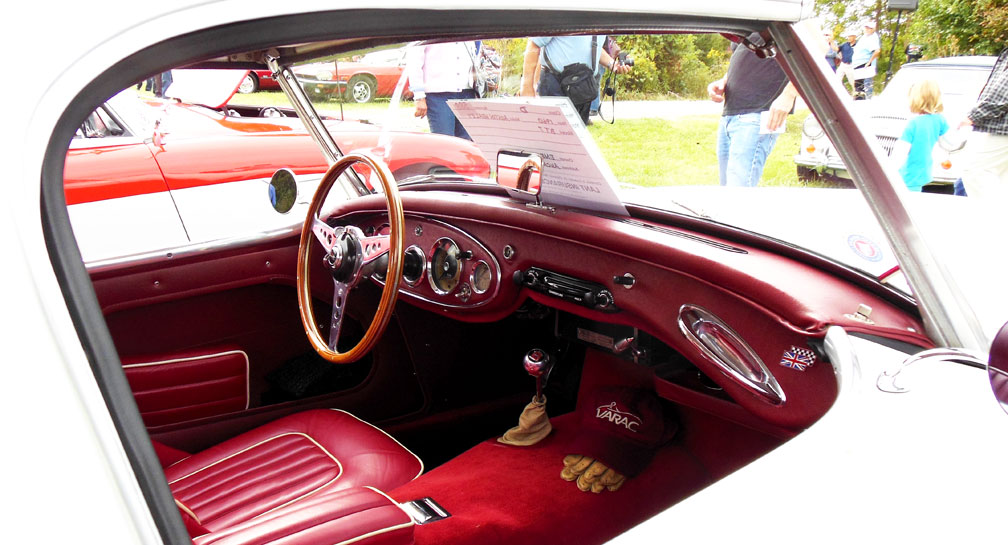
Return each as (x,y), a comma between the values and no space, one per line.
(986,172)
(846,54)
(757,99)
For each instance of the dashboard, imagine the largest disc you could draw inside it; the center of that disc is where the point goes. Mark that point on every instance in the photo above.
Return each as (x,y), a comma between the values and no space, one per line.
(719,308)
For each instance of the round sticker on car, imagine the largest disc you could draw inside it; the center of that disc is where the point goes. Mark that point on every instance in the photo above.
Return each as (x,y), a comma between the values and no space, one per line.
(865,248)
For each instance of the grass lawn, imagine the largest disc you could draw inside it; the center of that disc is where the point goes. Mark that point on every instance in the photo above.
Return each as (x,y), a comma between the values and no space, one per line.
(656,152)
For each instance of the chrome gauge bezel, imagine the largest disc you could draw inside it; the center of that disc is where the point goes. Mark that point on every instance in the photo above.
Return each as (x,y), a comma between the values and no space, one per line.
(443,242)
(472,277)
(415,250)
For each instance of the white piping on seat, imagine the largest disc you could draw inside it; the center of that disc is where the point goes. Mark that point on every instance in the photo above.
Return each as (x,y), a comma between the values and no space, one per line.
(246,449)
(386,435)
(187,511)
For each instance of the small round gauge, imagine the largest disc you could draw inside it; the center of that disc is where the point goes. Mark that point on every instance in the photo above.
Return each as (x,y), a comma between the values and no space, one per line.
(445,266)
(481,277)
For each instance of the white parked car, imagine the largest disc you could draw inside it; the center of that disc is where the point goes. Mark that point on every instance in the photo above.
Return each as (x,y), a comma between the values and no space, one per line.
(734,365)
(960,80)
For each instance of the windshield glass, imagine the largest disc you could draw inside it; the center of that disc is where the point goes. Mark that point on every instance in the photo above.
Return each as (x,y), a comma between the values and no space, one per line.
(653,137)
(653,126)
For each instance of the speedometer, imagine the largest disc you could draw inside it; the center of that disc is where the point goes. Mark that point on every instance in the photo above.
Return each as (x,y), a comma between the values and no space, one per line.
(445,266)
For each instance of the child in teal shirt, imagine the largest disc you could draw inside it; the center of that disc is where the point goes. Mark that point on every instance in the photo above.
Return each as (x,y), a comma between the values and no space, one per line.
(921,133)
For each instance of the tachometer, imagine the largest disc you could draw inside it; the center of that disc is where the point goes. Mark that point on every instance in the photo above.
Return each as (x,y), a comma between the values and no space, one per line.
(445,266)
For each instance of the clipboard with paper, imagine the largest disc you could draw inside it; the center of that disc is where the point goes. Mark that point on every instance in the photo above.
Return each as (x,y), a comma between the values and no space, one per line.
(574,173)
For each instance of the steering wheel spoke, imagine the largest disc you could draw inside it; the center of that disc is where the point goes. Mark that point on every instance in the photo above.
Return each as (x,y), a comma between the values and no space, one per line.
(325,234)
(374,247)
(347,250)
(339,303)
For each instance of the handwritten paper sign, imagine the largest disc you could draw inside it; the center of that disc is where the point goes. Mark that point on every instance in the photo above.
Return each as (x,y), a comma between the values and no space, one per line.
(574,173)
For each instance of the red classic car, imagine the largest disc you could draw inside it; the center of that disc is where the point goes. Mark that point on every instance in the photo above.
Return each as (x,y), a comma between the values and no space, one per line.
(157,162)
(374,74)
(256,80)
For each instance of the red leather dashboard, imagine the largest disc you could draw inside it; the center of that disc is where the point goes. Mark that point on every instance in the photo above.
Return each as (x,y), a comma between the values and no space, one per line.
(775,304)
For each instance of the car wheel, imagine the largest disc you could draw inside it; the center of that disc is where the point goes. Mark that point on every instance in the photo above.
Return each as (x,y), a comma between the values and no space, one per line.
(361,89)
(249,85)
(807,174)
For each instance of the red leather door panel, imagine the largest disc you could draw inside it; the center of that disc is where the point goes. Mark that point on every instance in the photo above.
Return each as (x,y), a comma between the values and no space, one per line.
(182,387)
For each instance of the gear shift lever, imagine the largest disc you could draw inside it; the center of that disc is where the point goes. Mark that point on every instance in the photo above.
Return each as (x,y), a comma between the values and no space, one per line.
(538,364)
(533,424)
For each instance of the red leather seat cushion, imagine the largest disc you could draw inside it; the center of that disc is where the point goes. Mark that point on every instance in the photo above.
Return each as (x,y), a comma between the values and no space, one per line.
(287,460)
(357,515)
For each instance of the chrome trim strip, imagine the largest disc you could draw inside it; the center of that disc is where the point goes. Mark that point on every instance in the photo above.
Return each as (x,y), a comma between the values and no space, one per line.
(762,381)
(887,381)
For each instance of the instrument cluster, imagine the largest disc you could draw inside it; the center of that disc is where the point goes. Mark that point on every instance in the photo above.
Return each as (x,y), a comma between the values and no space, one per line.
(444,264)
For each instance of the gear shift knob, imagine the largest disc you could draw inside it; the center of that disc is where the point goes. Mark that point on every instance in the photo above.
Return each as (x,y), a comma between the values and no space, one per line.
(538,364)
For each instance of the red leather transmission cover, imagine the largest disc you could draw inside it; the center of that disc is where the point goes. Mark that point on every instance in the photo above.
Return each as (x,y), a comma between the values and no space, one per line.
(287,461)
(187,386)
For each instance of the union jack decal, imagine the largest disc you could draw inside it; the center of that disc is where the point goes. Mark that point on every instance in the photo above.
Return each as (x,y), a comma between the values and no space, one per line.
(798,358)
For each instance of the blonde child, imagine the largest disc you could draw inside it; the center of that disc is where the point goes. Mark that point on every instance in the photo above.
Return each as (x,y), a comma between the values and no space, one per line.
(916,145)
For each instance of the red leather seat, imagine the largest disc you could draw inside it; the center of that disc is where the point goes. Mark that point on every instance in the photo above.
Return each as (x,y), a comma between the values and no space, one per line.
(282,462)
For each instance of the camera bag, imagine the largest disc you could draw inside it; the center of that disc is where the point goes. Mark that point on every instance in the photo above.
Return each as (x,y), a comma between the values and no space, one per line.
(577,81)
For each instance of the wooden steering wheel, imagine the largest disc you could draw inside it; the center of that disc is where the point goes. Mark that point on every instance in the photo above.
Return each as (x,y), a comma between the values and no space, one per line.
(348,253)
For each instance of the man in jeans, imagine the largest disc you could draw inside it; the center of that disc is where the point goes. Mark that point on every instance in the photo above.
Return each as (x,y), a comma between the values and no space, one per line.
(866,52)
(757,99)
(439,73)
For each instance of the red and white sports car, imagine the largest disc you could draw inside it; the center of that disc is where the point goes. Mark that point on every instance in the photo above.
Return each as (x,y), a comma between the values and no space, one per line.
(160,163)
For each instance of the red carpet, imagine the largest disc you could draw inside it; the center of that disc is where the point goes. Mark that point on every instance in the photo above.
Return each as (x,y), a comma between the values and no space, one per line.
(503,494)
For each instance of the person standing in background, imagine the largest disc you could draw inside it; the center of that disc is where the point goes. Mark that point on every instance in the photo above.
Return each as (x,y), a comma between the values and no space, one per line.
(866,51)
(985,175)
(846,54)
(439,73)
(547,57)
(757,99)
(831,50)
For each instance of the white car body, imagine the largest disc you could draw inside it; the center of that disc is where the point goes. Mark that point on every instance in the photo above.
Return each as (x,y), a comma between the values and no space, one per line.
(960,78)
(878,466)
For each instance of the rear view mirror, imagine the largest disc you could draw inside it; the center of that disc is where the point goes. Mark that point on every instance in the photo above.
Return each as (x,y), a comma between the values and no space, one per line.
(282,191)
(519,170)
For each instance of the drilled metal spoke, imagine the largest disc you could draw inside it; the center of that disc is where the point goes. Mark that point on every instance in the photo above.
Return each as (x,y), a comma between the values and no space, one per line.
(339,303)
(326,235)
(374,247)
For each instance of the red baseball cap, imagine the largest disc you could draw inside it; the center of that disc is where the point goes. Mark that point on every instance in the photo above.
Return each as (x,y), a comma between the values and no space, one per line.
(623,427)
